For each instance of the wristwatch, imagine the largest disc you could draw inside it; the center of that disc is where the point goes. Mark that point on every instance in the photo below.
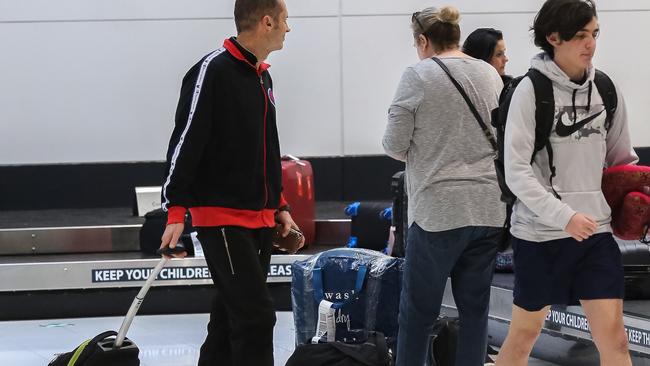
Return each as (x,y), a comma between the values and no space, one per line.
(284,208)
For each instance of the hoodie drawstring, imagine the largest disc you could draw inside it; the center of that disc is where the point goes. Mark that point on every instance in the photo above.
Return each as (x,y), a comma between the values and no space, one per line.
(591,86)
(573,105)
(573,101)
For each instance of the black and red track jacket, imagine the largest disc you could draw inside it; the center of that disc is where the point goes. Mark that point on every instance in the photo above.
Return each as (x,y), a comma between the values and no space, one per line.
(223,161)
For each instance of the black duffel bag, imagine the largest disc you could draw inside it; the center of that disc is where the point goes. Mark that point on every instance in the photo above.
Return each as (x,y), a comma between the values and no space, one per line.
(153,228)
(100,351)
(373,352)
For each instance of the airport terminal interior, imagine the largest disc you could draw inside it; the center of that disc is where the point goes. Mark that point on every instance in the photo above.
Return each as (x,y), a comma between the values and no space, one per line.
(87,105)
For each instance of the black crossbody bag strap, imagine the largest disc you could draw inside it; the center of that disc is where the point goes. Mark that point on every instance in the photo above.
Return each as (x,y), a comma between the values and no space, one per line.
(488,133)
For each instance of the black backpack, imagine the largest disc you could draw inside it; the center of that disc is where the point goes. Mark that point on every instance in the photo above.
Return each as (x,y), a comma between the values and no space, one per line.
(544,116)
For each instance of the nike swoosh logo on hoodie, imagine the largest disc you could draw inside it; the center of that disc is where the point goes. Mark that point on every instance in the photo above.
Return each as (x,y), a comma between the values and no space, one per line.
(563,130)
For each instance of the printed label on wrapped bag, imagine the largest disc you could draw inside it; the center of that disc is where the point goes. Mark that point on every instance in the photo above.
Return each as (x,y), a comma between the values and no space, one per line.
(326,322)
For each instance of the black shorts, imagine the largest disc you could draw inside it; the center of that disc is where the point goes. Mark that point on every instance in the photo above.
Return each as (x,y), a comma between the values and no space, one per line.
(563,271)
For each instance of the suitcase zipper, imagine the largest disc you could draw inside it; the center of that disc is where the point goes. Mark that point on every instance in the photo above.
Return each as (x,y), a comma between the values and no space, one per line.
(225,241)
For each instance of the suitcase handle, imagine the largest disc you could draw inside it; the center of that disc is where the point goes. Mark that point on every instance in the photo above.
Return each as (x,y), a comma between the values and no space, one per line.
(126,323)
(294,159)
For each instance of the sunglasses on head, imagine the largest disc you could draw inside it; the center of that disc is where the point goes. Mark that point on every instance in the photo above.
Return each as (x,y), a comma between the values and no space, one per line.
(414,18)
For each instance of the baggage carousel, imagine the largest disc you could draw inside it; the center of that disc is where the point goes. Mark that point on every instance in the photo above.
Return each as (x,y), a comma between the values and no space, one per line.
(565,338)
(78,263)
(87,262)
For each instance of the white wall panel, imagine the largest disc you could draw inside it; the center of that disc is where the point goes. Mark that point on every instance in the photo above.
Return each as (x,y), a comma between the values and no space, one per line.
(369,7)
(74,10)
(376,50)
(98,80)
(623,53)
(47,10)
(307,79)
(308,8)
(101,91)
(618,5)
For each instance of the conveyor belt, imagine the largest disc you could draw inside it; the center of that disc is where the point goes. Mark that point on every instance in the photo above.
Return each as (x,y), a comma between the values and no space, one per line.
(114,271)
(566,322)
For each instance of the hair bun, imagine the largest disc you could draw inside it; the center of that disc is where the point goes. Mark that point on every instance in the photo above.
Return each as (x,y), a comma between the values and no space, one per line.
(449,14)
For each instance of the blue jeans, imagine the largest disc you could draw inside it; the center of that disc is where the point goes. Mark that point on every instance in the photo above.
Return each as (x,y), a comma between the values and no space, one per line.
(467,255)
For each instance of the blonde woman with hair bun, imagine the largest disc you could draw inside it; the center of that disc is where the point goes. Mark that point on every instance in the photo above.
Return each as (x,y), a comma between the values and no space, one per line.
(454,211)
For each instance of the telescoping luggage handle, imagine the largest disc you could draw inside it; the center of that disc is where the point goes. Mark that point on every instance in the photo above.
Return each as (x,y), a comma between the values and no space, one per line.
(137,302)
(319,294)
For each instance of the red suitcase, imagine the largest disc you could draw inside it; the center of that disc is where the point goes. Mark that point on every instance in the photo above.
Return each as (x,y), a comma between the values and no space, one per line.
(298,190)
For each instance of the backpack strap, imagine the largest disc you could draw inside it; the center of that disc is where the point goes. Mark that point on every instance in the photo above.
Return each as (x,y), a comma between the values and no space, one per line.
(607,91)
(544,116)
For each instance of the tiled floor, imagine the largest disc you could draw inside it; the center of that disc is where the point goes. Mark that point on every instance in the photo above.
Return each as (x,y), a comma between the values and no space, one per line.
(164,340)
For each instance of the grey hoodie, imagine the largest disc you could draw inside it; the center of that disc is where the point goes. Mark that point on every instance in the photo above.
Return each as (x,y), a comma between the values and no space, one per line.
(580,154)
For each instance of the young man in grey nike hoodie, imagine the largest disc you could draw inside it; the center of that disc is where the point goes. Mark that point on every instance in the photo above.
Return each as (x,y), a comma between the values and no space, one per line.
(564,252)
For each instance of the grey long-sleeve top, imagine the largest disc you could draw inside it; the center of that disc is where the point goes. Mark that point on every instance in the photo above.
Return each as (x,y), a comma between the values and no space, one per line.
(450,175)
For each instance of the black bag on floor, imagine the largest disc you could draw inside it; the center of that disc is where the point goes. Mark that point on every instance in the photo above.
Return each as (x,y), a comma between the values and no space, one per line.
(112,348)
(400,209)
(445,342)
(373,352)
(99,351)
(153,228)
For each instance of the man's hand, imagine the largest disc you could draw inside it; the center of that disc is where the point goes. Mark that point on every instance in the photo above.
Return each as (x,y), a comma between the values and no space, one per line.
(581,226)
(284,218)
(171,236)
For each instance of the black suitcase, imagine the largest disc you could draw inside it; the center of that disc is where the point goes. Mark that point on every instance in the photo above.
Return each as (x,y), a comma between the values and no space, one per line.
(112,348)
(400,210)
(445,341)
(100,351)
(369,229)
(636,264)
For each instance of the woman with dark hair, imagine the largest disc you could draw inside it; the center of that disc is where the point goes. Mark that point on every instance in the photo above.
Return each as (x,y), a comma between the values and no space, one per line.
(487,44)
(455,215)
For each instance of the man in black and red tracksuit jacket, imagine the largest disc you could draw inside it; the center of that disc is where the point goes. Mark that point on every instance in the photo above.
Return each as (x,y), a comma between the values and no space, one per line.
(223,164)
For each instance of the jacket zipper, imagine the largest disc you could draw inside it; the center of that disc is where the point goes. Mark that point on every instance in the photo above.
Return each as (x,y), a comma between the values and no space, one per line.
(225,242)
(266,107)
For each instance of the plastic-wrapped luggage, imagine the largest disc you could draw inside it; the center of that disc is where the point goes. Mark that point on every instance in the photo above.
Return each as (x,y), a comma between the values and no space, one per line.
(362,286)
